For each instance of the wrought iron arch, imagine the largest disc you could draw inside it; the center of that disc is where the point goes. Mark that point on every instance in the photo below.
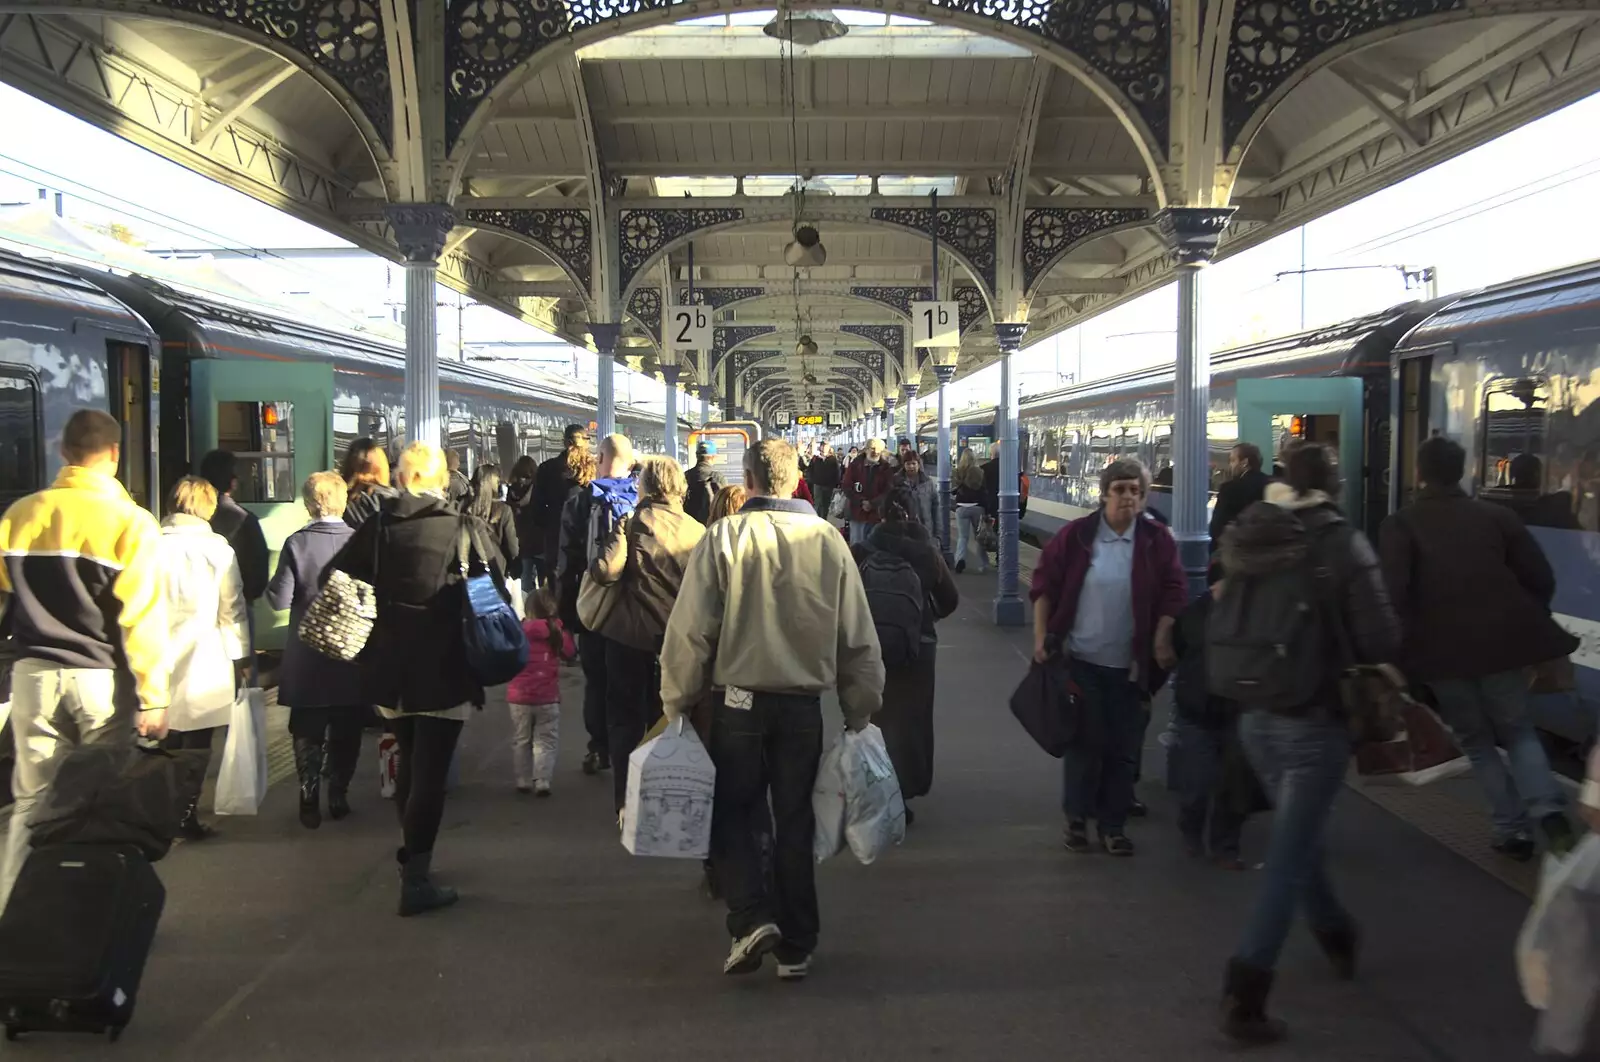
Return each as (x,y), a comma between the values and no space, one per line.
(1050,234)
(1275,45)
(648,234)
(1120,51)
(786,338)
(340,44)
(561,234)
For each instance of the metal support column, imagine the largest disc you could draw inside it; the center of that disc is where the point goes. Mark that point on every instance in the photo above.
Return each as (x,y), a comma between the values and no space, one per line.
(705,404)
(911,390)
(945,374)
(1009,608)
(1192,233)
(888,423)
(421,230)
(669,375)
(605,337)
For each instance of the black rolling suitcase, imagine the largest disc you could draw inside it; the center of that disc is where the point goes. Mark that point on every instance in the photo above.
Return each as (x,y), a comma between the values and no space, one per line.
(74,938)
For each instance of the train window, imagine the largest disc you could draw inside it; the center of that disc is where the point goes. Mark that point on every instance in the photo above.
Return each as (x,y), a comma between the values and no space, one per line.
(21,470)
(1047,459)
(1102,451)
(1069,451)
(459,440)
(261,437)
(1160,448)
(352,423)
(1514,413)
(1222,435)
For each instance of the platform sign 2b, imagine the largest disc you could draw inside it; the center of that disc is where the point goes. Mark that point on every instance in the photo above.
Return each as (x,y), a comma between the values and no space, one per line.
(689,327)
(935,324)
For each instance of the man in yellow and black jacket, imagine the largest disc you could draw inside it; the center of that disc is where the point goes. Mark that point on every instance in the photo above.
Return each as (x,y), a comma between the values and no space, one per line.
(82,586)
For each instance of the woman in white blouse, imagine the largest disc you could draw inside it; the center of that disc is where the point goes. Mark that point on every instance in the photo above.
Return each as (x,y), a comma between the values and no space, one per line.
(206,613)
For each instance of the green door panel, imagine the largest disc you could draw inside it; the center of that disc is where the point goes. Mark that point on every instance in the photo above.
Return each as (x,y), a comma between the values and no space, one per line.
(308,390)
(1261,400)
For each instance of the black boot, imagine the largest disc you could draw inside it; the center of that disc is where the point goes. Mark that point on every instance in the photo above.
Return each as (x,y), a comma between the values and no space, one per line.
(191,828)
(1244,1006)
(344,753)
(308,765)
(417,892)
(1342,947)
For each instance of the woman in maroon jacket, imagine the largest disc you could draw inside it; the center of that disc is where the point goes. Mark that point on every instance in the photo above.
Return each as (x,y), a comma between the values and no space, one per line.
(1106,592)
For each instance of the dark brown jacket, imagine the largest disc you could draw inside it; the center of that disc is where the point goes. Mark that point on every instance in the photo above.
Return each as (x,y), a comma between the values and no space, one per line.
(913,544)
(647,553)
(1471,586)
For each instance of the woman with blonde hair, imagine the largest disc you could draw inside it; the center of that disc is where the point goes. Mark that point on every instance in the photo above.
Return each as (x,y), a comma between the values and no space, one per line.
(365,469)
(415,665)
(206,616)
(644,557)
(966,487)
(729,500)
(323,695)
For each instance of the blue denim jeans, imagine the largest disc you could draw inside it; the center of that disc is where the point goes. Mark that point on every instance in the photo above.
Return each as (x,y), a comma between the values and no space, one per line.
(1490,711)
(1302,763)
(1098,770)
(1207,822)
(967,519)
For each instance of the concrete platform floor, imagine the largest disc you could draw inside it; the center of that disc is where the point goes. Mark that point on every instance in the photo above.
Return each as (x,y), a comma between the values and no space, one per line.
(981,939)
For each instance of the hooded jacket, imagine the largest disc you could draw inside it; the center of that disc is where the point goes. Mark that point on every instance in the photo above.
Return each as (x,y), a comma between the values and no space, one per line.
(1471,586)
(1263,540)
(647,554)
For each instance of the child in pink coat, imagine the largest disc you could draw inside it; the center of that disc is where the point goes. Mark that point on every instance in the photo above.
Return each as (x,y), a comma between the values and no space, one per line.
(535,696)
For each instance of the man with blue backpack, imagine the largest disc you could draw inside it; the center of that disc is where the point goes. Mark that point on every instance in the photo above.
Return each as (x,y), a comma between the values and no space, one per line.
(628,674)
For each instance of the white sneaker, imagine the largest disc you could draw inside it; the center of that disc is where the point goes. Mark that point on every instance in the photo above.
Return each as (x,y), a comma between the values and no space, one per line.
(794,971)
(748,950)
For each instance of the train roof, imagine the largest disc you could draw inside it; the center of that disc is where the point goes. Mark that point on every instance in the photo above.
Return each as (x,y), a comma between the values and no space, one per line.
(1515,303)
(1361,343)
(228,328)
(29,280)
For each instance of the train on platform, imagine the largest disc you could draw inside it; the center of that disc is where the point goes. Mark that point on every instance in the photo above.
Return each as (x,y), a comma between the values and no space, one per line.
(187,372)
(1511,372)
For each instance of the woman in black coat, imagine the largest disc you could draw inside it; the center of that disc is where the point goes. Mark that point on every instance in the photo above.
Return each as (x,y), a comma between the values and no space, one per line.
(906,717)
(326,711)
(521,495)
(414,667)
(496,515)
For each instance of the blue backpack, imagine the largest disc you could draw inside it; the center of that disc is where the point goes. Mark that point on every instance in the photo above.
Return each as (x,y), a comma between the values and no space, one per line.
(497,650)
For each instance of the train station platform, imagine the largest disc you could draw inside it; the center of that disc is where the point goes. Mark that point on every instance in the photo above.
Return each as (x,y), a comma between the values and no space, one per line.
(980,939)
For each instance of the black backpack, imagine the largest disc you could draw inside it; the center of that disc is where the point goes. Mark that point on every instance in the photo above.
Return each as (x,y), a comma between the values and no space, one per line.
(1271,642)
(894,594)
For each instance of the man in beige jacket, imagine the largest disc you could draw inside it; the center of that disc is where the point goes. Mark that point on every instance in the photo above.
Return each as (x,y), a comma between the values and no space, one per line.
(771,613)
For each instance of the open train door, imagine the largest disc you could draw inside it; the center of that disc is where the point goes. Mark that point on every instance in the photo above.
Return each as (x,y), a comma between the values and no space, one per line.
(276,418)
(1325,410)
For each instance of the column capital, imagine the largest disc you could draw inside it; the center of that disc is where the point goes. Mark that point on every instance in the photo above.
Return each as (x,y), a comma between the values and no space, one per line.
(420,229)
(911,390)
(670,373)
(888,403)
(944,373)
(605,335)
(1009,335)
(1192,233)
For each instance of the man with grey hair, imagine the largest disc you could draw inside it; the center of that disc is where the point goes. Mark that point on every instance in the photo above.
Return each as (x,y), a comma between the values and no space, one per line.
(771,614)
(866,485)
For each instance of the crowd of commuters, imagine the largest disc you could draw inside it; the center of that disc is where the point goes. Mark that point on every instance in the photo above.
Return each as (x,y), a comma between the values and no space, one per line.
(737,605)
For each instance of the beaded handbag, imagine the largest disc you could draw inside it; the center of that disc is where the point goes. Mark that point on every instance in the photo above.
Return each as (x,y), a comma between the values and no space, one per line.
(341,616)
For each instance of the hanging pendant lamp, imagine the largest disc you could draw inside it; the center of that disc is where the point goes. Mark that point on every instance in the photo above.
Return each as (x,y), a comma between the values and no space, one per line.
(805,28)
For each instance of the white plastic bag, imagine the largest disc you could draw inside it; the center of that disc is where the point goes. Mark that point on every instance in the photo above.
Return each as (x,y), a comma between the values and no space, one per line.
(837,505)
(827,804)
(1580,870)
(242,782)
(858,795)
(671,783)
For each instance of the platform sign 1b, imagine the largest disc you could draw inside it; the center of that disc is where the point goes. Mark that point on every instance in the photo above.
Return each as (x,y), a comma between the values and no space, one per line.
(935,324)
(689,327)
